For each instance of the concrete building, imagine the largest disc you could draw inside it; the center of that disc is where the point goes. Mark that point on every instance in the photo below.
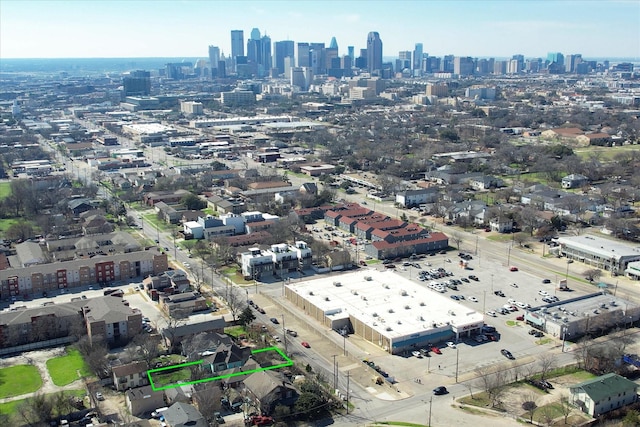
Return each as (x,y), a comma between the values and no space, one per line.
(374,52)
(278,260)
(192,107)
(584,315)
(385,309)
(238,97)
(598,252)
(110,318)
(411,198)
(603,394)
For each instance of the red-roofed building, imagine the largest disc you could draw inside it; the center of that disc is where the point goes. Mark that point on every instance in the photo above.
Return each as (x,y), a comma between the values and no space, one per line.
(432,242)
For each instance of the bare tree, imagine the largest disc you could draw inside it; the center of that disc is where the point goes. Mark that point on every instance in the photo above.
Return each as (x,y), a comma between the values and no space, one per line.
(36,410)
(593,274)
(235,301)
(565,406)
(456,238)
(521,238)
(95,351)
(171,324)
(208,400)
(529,404)
(547,415)
(547,362)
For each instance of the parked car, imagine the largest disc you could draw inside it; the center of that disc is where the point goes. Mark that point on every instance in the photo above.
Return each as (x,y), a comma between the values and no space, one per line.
(416,353)
(546,281)
(99,396)
(513,268)
(491,313)
(305,344)
(451,344)
(274,320)
(436,350)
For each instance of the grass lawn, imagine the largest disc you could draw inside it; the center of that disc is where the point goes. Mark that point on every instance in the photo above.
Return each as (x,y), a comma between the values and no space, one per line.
(63,369)
(171,376)
(20,379)
(5,190)
(9,408)
(235,331)
(6,223)
(550,411)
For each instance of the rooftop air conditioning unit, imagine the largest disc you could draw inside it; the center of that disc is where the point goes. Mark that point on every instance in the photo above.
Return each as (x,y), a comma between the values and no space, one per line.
(422,304)
(403,293)
(337,284)
(375,314)
(399,322)
(311,293)
(391,310)
(354,292)
(565,319)
(612,303)
(407,307)
(326,298)
(367,278)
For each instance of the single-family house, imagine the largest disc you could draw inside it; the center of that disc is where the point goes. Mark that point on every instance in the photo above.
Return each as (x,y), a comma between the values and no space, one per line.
(267,389)
(142,400)
(130,375)
(603,394)
(184,415)
(574,180)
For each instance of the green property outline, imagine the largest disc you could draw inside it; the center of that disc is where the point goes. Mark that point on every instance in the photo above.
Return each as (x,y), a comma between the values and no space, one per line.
(288,362)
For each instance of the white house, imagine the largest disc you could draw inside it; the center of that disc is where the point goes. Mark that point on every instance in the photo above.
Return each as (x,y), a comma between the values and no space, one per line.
(603,394)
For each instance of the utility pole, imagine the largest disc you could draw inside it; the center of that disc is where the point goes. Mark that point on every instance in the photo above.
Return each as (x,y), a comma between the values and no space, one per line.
(457,353)
(284,336)
(335,372)
(348,392)
(430,400)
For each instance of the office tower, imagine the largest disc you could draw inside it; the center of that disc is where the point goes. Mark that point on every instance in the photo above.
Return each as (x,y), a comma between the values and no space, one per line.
(446,65)
(555,57)
(222,69)
(432,64)
(214,58)
(571,62)
(318,58)
(303,55)
(500,67)
(463,65)
(265,56)
(237,44)
(333,44)
(361,61)
(346,64)
(403,61)
(351,53)
(332,59)
(374,52)
(136,83)
(283,49)
(255,34)
(417,57)
(513,66)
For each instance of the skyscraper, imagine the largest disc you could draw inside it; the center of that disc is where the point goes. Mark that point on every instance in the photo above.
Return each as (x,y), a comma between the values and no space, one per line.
(374,52)
(417,57)
(333,44)
(255,34)
(214,59)
(283,49)
(303,55)
(136,83)
(237,44)
(351,53)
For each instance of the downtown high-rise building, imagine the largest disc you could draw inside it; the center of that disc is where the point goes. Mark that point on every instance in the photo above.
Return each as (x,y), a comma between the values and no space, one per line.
(136,83)
(374,52)
(463,65)
(417,57)
(237,44)
(214,60)
(281,50)
(303,56)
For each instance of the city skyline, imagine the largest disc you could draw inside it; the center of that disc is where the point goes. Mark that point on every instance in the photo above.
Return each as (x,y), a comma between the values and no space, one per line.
(60,29)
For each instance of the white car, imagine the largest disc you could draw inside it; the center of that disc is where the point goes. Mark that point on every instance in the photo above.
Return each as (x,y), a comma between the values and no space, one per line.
(491,313)
(416,353)
(543,293)
(451,344)
(522,305)
(512,301)
(472,299)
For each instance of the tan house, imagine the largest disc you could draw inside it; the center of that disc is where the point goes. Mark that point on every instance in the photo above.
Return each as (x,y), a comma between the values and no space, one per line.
(187,302)
(565,134)
(130,375)
(143,400)
(603,139)
(112,319)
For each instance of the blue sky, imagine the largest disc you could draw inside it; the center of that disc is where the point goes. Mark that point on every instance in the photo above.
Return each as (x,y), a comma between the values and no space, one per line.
(164,28)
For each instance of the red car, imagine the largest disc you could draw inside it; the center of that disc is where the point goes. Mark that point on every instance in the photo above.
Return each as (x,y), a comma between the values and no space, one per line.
(513,268)
(436,350)
(305,344)
(521,317)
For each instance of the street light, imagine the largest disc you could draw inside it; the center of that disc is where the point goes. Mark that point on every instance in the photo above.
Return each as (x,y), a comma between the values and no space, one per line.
(457,352)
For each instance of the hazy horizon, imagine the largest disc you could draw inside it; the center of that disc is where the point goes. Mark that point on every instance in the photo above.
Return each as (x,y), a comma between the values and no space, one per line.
(176,29)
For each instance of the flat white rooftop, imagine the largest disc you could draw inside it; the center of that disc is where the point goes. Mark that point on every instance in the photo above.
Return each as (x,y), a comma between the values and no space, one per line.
(607,248)
(383,300)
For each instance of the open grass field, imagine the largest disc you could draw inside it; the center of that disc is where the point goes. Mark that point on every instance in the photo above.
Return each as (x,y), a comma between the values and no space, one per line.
(19,379)
(9,408)
(604,153)
(6,223)
(5,190)
(64,369)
